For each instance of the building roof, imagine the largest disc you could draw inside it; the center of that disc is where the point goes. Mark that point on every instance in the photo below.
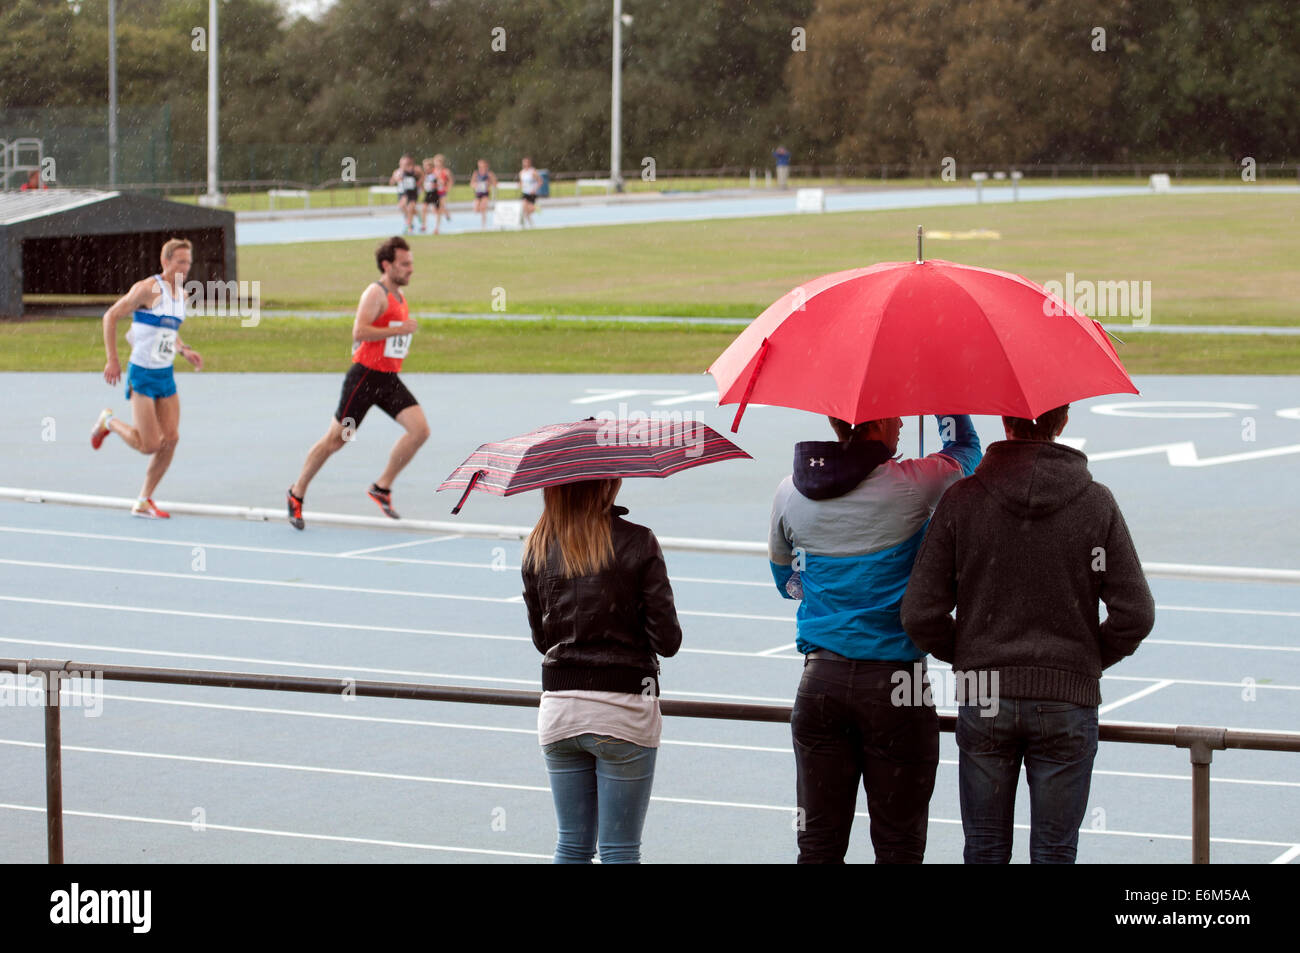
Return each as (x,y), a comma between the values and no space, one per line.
(16,206)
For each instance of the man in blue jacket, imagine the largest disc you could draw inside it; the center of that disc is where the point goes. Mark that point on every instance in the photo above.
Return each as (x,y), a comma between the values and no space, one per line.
(846,527)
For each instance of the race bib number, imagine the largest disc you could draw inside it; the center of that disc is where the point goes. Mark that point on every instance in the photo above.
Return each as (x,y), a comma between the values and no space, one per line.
(397,345)
(164,346)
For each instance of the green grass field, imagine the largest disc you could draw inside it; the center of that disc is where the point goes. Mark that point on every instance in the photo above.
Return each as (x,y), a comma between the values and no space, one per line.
(1210,260)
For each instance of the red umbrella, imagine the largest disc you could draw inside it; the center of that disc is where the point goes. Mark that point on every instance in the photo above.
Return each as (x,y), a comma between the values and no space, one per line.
(923,337)
(591,449)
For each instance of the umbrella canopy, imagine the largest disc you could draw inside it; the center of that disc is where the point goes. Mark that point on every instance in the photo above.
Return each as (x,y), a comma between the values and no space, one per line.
(591,449)
(933,337)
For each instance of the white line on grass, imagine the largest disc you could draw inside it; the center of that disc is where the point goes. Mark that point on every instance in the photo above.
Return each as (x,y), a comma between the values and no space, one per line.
(500,785)
(414,542)
(1142,693)
(267,832)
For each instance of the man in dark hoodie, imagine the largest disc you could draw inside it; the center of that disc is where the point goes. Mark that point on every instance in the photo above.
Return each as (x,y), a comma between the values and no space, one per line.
(845,529)
(1024,550)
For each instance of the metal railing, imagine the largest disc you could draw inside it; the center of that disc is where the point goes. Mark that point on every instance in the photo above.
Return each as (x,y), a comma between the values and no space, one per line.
(1201,742)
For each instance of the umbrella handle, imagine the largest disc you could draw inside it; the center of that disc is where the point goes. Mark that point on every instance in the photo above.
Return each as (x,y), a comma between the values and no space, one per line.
(749,388)
(469,486)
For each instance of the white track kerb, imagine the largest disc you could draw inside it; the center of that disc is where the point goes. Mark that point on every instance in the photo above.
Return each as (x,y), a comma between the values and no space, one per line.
(499,531)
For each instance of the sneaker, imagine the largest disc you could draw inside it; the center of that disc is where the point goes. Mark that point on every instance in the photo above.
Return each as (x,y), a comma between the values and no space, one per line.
(385,500)
(295,510)
(148,510)
(101,429)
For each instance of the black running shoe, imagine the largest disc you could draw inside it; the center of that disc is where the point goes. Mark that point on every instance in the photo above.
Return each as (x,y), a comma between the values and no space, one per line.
(295,510)
(385,500)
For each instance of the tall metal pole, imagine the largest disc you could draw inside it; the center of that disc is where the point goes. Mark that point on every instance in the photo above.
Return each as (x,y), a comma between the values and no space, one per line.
(213,196)
(616,118)
(112,92)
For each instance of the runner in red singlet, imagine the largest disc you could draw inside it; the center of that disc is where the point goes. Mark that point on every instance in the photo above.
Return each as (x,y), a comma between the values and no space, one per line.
(381,338)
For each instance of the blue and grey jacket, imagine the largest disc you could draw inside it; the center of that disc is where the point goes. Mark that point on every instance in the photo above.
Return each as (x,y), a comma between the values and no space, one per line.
(846,527)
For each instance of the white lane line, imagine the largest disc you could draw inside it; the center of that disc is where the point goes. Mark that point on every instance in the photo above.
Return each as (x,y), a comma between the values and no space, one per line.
(243,581)
(274,620)
(368,590)
(1288,856)
(528,683)
(342,670)
(783,701)
(276,551)
(500,785)
(784,646)
(1222,645)
(1269,612)
(267,832)
(1149,690)
(532,732)
(764,584)
(414,542)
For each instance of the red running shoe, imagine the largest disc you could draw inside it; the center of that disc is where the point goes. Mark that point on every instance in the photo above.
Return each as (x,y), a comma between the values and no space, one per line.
(148,510)
(101,429)
(295,509)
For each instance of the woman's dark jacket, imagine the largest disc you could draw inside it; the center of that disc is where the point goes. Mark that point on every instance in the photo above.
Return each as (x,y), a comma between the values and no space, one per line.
(605,631)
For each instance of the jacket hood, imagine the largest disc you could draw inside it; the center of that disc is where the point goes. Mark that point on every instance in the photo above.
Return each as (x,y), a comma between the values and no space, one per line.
(1032,479)
(825,469)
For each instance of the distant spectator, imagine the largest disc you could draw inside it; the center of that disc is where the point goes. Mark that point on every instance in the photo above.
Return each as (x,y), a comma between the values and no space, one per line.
(33,182)
(782,157)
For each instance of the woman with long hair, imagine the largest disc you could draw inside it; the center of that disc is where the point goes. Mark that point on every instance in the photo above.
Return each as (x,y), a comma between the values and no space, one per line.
(601,611)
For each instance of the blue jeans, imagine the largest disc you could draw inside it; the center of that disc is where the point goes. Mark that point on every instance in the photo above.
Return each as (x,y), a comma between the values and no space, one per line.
(1057,742)
(601,787)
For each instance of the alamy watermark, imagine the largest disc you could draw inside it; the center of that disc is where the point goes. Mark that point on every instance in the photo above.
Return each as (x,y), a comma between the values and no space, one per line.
(945,688)
(27,690)
(1100,299)
(222,299)
(658,428)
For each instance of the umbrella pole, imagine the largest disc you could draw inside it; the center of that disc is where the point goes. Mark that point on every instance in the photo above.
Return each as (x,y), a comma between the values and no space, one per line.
(920,421)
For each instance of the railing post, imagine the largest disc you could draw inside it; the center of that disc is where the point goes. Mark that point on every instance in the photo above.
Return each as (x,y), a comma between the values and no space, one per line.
(1202,743)
(53,679)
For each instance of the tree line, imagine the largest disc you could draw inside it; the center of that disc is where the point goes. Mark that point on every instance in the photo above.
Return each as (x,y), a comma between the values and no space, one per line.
(852,82)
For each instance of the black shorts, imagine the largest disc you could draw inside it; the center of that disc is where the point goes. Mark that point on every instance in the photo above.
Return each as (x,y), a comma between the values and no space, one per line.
(530,199)
(411,196)
(432,198)
(365,387)
(480,195)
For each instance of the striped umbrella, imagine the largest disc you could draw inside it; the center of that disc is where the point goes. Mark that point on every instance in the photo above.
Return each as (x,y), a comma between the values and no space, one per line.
(591,449)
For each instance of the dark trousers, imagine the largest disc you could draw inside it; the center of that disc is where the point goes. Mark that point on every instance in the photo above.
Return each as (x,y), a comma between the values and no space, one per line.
(847,728)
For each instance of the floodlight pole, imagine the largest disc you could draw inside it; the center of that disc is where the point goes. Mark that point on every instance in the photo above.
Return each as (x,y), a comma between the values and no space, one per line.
(112,92)
(213,196)
(616,108)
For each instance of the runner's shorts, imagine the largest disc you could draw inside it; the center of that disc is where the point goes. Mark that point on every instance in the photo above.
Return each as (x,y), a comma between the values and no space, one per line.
(365,387)
(150,381)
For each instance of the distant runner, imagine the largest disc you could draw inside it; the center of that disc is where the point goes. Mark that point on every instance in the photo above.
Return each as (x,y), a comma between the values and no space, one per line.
(484,182)
(407,179)
(530,183)
(157,309)
(431,197)
(381,338)
(442,175)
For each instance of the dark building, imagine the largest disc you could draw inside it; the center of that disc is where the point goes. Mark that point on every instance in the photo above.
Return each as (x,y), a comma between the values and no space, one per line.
(79,242)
